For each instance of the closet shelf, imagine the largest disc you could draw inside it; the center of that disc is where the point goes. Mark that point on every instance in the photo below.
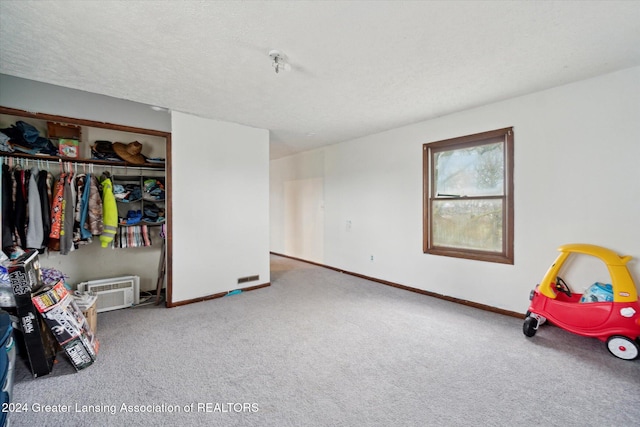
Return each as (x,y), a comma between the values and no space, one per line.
(152,224)
(147,223)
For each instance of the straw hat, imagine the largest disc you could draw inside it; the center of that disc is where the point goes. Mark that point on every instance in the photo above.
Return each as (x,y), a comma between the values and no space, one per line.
(130,152)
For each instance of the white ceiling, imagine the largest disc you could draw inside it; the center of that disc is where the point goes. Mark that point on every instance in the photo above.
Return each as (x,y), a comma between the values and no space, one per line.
(358,67)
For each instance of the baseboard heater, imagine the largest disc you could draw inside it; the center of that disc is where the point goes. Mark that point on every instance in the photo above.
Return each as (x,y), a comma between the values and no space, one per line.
(114,293)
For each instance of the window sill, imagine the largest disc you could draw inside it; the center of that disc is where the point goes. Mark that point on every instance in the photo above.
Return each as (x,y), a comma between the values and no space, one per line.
(473,255)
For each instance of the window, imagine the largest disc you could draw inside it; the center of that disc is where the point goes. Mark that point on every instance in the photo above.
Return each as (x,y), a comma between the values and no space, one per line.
(468,197)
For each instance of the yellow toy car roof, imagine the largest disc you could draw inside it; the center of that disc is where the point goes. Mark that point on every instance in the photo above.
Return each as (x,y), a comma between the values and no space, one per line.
(624,289)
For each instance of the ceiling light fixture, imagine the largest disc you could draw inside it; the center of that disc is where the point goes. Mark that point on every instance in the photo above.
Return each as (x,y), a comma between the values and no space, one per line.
(279,61)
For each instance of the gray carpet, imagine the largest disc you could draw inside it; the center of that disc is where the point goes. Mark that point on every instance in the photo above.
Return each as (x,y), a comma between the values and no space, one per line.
(321,348)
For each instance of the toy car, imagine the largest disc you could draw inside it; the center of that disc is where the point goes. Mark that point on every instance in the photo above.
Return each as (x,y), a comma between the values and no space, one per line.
(615,320)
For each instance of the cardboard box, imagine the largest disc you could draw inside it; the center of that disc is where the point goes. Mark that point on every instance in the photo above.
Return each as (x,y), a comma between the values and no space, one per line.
(91,315)
(62,130)
(26,277)
(69,326)
(78,352)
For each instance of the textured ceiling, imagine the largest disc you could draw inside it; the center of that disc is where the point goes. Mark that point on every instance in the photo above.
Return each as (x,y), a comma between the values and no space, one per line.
(358,67)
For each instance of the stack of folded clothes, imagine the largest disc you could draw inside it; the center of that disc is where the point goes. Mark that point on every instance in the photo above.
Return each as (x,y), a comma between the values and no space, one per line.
(127,193)
(133,217)
(153,189)
(153,214)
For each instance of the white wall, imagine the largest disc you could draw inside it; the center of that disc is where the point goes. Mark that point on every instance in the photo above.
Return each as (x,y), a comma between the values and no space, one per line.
(576,180)
(220,181)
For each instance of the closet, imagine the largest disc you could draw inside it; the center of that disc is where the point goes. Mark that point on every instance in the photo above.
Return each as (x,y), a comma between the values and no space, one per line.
(142,183)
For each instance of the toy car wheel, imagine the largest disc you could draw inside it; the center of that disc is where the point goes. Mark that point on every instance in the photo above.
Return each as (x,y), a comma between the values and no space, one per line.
(623,347)
(530,326)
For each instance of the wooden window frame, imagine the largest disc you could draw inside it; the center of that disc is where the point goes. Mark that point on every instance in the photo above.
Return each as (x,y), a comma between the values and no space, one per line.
(506,255)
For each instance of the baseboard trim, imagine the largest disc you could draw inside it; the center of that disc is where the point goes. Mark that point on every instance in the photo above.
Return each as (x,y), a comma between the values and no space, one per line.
(411,289)
(214,296)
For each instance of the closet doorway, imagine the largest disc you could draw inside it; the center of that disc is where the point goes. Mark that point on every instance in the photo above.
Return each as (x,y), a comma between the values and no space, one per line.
(93,261)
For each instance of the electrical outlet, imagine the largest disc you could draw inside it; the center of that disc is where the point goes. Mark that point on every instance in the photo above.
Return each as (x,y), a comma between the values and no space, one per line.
(348,225)
(371,257)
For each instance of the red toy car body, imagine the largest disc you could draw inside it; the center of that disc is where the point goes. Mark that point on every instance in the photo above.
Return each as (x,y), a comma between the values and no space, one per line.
(616,322)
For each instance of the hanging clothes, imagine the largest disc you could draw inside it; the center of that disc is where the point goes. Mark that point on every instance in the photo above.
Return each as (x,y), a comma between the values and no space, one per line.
(83,220)
(56,213)
(39,211)
(34,229)
(109,212)
(146,238)
(20,207)
(68,209)
(81,206)
(45,180)
(8,219)
(95,209)
(79,186)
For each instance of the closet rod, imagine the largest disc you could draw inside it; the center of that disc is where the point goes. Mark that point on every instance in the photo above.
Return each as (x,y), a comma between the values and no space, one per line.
(57,161)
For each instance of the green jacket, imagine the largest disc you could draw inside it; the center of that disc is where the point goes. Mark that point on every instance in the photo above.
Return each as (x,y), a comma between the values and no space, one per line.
(109,213)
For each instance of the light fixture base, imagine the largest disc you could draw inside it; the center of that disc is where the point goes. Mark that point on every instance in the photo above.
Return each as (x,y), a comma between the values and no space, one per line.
(279,61)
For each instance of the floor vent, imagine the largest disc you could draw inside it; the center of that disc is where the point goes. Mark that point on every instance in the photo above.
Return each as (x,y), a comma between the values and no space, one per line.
(248,279)
(114,293)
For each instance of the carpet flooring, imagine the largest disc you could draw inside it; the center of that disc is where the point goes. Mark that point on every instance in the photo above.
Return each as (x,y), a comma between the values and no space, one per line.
(322,348)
